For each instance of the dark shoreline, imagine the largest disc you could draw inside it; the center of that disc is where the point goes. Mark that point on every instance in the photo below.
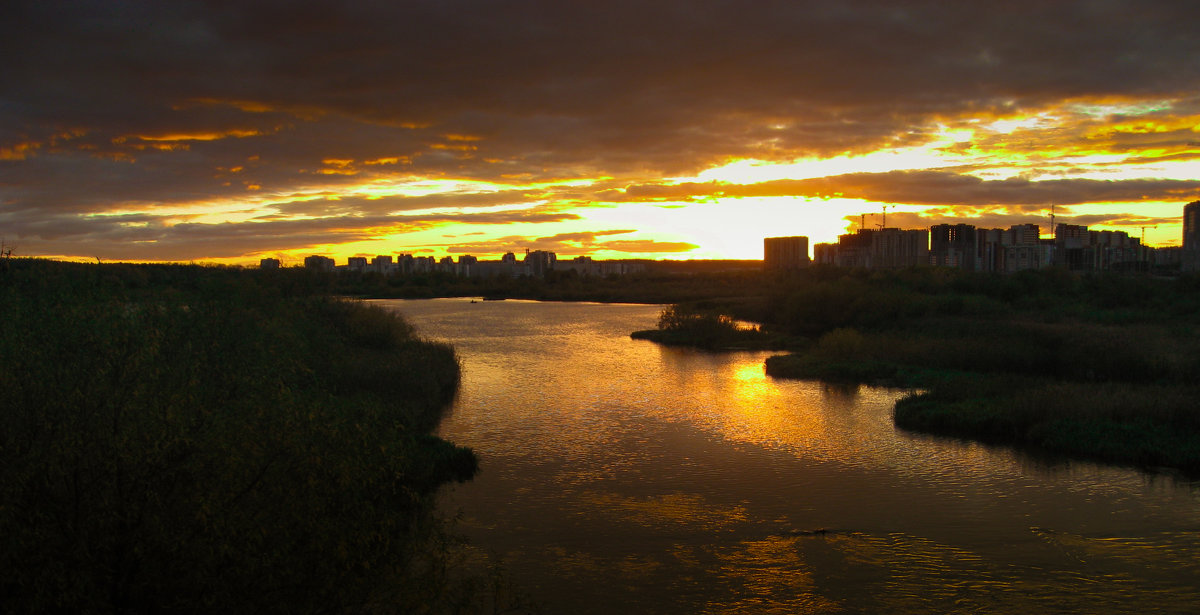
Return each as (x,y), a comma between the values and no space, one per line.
(1103,368)
(960,337)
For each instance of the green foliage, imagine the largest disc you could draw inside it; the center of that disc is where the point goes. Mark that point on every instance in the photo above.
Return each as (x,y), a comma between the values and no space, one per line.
(186,439)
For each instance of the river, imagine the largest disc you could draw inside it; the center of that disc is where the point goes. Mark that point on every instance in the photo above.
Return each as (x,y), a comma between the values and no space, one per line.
(620,476)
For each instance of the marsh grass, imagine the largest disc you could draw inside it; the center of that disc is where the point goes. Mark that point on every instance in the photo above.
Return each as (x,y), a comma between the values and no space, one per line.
(187,439)
(1102,367)
(1137,424)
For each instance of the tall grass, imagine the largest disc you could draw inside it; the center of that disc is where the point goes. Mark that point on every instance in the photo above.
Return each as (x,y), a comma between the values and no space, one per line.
(1094,366)
(188,440)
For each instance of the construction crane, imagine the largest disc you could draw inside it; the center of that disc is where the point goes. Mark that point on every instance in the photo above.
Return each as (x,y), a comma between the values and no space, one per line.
(1145,254)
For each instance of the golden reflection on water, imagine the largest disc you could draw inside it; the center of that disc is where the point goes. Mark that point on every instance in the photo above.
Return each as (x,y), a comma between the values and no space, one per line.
(759,412)
(767,576)
(732,395)
(672,508)
(622,476)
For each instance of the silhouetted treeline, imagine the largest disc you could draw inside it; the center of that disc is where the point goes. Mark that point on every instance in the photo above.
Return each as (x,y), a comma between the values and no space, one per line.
(821,299)
(202,439)
(649,287)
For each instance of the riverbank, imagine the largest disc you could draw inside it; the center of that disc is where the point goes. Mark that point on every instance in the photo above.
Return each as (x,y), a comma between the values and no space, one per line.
(1146,425)
(190,438)
(648,468)
(912,327)
(1097,367)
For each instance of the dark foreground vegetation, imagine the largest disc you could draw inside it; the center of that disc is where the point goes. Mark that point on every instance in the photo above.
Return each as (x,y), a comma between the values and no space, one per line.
(200,440)
(1096,366)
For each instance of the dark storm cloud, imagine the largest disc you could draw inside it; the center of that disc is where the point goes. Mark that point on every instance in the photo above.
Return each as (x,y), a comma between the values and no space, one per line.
(147,237)
(122,103)
(924,188)
(626,81)
(361,205)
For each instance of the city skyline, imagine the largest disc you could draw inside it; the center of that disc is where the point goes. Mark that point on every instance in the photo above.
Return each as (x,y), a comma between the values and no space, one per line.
(196,132)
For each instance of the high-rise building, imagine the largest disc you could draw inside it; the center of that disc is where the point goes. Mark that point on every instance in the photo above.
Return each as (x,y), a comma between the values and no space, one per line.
(320,263)
(888,248)
(893,248)
(1190,259)
(382,264)
(954,245)
(785,252)
(1073,247)
(540,261)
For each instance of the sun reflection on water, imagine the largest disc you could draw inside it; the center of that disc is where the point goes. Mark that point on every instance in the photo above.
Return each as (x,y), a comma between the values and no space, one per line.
(622,476)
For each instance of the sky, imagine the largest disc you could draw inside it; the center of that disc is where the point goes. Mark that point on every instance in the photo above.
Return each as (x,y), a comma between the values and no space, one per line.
(230,131)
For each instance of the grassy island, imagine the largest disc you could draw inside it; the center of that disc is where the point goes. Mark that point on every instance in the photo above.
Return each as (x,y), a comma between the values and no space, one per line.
(710,330)
(203,439)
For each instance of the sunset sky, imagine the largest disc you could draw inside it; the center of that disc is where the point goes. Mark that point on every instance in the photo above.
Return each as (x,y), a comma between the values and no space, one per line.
(231,131)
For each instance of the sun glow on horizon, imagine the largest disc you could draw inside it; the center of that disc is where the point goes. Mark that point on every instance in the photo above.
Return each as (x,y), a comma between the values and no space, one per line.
(752,171)
(376,205)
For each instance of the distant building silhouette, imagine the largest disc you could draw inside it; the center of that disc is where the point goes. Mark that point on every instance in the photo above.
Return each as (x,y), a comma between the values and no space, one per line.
(382,264)
(784,253)
(585,266)
(1018,248)
(268,263)
(468,266)
(954,245)
(888,248)
(540,261)
(1078,249)
(424,264)
(1190,259)
(320,263)
(1022,249)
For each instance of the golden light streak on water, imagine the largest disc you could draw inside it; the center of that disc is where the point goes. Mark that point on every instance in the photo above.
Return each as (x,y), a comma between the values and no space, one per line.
(619,476)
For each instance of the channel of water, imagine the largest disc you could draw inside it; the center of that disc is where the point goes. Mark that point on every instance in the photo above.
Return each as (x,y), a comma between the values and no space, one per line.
(619,476)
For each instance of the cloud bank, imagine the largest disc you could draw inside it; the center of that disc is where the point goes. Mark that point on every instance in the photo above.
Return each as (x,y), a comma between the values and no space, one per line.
(143,108)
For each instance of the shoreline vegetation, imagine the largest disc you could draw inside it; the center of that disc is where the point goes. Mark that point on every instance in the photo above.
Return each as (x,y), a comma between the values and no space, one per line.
(198,438)
(681,325)
(1100,367)
(193,439)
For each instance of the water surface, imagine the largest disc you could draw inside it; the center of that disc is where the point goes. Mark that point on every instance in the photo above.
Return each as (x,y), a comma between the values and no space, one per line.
(619,476)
